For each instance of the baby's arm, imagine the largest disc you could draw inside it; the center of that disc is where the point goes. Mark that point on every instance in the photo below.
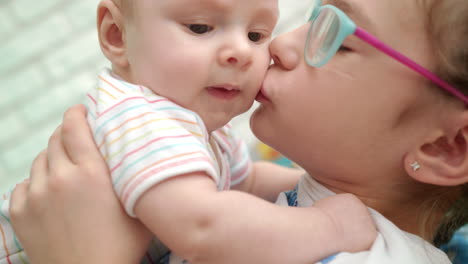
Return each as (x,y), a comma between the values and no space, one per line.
(350,215)
(267,180)
(203,225)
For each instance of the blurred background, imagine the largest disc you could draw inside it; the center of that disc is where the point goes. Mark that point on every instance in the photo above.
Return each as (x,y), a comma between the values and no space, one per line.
(49,58)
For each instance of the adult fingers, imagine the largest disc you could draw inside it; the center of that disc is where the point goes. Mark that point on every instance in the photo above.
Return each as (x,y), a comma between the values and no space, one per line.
(77,137)
(56,154)
(18,200)
(39,170)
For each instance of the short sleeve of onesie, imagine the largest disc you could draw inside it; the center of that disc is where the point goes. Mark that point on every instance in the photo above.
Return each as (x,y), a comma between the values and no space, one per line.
(145,138)
(236,152)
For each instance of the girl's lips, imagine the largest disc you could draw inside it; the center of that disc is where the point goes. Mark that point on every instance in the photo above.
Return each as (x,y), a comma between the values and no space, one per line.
(261,97)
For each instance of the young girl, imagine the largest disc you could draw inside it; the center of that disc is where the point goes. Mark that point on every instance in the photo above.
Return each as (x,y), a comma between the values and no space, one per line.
(358,121)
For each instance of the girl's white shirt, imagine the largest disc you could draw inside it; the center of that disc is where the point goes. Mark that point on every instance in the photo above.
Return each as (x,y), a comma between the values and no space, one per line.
(392,244)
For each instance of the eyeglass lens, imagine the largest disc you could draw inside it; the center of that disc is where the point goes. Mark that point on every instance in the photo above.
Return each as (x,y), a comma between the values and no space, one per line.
(321,36)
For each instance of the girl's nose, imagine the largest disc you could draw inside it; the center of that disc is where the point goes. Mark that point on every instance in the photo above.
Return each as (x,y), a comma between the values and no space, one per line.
(287,49)
(236,53)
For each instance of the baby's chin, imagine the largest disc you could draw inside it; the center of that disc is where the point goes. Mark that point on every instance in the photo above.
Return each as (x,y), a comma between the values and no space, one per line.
(216,121)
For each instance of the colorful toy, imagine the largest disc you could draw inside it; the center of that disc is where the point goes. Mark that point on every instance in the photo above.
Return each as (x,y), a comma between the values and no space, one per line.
(267,153)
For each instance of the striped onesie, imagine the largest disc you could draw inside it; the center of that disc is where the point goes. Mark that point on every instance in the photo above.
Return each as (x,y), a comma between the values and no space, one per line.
(145,139)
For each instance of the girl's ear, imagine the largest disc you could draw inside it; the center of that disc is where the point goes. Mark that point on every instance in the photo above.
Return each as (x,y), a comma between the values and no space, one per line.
(110,25)
(443,158)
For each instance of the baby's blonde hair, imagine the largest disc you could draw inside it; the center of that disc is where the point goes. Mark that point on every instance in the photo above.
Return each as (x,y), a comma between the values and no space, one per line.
(447,27)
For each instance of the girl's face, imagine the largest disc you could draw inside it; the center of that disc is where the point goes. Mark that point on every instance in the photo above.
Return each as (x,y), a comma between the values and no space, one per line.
(356,116)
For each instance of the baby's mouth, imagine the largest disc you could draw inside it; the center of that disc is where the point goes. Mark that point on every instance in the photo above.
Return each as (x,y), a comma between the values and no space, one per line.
(225,91)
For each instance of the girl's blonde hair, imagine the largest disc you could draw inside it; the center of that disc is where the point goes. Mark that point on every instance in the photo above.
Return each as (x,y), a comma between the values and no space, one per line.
(448,30)
(447,27)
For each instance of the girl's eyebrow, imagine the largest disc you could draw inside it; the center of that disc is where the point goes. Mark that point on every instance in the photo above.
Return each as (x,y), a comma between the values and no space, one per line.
(355,12)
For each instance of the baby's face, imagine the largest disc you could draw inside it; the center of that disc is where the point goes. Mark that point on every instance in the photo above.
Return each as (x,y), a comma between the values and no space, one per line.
(209,56)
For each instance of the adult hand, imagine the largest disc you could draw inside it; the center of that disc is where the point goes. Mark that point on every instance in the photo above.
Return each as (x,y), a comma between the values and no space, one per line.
(67,211)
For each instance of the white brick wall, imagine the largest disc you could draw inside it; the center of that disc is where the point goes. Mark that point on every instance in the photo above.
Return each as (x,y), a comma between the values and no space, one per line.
(49,57)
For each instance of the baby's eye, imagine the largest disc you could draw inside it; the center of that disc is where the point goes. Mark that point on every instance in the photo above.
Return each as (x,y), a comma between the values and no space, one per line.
(255,36)
(199,28)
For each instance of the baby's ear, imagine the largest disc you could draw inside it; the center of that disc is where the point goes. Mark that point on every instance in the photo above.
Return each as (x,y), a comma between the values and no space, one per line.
(111,33)
(443,158)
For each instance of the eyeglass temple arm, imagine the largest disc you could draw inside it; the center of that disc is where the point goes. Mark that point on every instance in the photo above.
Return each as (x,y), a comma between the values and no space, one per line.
(362,34)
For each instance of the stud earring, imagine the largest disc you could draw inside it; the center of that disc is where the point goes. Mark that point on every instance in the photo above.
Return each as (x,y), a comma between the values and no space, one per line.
(415,165)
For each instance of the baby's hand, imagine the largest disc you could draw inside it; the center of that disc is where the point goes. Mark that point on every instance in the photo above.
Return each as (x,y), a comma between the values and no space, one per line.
(355,228)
